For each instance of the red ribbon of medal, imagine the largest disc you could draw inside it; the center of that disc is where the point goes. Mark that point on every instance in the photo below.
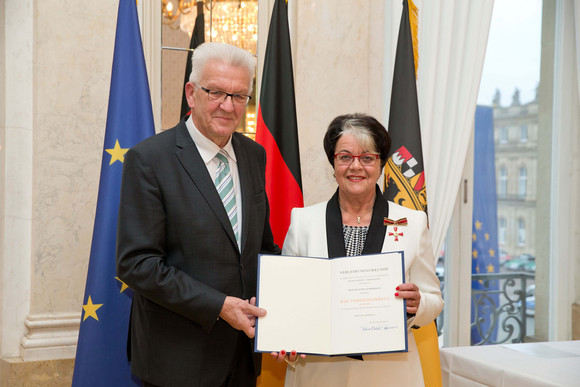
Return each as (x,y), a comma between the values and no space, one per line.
(391,222)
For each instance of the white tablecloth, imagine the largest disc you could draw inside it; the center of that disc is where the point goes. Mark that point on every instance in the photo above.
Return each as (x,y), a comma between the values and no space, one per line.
(512,365)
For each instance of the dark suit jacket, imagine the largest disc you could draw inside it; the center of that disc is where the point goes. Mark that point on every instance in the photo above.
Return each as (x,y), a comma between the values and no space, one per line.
(177,250)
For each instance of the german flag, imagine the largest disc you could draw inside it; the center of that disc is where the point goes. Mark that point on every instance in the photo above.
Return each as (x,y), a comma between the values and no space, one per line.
(277,129)
(404,172)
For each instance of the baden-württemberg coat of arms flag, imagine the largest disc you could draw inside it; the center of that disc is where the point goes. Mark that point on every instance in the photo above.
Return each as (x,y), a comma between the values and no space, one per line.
(404,172)
(101,358)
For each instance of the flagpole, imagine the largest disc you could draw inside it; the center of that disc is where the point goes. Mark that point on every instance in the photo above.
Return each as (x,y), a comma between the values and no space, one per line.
(177,48)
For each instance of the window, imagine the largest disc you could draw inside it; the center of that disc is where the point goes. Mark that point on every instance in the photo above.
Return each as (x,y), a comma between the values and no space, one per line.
(502,189)
(501,232)
(524,133)
(521,232)
(531,158)
(522,182)
(503,135)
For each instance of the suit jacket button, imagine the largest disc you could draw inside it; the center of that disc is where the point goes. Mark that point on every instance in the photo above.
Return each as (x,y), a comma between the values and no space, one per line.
(241,266)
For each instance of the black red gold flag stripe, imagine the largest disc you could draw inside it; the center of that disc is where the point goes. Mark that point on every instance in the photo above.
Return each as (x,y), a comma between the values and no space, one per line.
(277,128)
(277,131)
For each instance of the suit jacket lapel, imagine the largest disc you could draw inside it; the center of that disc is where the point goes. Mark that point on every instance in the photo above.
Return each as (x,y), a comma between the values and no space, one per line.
(245,173)
(334,233)
(193,164)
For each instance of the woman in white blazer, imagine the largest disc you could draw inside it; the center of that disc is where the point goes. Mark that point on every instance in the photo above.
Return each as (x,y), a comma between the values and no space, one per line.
(358,220)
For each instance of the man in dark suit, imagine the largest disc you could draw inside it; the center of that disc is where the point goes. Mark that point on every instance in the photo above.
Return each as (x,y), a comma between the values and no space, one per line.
(191,262)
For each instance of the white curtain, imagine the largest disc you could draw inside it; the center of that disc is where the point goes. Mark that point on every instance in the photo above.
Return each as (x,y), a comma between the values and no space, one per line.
(452,42)
(577,39)
(565,177)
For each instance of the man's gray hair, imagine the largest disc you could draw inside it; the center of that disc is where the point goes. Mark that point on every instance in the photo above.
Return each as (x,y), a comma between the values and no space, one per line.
(221,52)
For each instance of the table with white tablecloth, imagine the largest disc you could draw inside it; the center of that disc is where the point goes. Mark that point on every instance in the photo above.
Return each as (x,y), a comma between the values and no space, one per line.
(508,365)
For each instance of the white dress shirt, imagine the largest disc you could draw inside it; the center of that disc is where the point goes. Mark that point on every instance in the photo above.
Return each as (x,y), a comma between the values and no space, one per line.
(208,149)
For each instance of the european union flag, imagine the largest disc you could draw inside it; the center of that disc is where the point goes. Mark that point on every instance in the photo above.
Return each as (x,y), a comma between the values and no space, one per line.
(101,358)
(485,252)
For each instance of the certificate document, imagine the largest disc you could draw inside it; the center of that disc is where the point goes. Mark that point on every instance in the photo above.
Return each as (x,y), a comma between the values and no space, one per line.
(338,306)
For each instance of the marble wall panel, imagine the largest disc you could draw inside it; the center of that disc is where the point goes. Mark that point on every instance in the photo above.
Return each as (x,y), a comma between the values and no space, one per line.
(55,373)
(335,48)
(18,39)
(73,56)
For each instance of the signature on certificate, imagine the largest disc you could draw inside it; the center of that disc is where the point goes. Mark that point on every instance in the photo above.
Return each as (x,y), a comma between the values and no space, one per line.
(377,327)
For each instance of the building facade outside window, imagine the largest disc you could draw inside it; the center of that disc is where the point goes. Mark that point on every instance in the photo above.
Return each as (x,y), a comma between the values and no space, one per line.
(516,160)
(503,180)
(521,232)
(501,232)
(522,182)
(524,133)
(503,135)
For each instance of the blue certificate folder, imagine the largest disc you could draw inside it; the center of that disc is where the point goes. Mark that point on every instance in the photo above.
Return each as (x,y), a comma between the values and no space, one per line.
(338,306)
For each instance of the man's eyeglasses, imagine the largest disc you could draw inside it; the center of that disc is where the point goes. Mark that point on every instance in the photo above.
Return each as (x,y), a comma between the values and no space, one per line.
(220,96)
(366,159)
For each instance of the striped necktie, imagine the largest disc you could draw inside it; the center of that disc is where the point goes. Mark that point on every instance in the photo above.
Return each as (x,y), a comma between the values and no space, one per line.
(225,188)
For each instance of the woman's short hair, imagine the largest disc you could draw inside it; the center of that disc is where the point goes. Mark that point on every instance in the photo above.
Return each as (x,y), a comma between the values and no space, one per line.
(221,52)
(369,132)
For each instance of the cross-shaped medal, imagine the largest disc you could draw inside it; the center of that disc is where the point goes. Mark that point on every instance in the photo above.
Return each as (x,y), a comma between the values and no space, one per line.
(395,234)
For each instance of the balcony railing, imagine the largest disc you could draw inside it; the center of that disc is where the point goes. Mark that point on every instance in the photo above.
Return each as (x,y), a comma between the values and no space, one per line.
(499,307)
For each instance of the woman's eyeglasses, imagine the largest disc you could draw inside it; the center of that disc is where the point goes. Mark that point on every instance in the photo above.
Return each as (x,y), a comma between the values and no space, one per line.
(366,159)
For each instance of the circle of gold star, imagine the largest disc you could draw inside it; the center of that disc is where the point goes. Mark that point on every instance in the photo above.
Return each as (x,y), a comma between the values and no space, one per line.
(117,153)
(91,309)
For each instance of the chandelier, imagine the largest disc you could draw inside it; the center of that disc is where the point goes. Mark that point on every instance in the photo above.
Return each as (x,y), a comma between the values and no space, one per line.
(234,21)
